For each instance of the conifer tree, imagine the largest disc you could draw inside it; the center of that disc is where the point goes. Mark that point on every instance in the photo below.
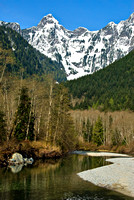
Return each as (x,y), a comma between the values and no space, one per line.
(98,132)
(6,58)
(24,122)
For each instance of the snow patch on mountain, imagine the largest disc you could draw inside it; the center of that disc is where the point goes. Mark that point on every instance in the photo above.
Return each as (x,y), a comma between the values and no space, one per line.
(80,51)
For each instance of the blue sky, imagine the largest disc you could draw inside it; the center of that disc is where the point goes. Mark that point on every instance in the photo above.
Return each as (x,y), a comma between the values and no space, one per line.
(91,14)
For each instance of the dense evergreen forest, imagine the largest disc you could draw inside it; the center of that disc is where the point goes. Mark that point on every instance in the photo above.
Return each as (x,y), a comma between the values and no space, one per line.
(111,88)
(27,60)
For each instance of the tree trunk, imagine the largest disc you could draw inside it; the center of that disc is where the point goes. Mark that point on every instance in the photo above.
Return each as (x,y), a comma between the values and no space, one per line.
(49,111)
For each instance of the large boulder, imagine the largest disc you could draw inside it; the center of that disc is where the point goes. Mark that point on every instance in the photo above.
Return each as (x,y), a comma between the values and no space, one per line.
(17,158)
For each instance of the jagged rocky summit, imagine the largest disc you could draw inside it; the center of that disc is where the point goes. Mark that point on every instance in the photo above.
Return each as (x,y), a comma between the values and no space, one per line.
(80,51)
(14,25)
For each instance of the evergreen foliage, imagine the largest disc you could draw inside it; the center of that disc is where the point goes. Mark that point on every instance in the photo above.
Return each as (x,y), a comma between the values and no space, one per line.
(111,88)
(24,121)
(98,132)
(27,59)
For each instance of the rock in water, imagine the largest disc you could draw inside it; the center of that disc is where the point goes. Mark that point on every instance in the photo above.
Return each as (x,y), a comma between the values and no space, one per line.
(18,158)
(30,161)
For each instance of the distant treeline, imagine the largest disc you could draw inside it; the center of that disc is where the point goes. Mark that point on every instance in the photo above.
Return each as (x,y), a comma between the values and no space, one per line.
(104,128)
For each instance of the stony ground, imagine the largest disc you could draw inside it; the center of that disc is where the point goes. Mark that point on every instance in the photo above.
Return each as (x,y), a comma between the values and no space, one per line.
(118,176)
(100,154)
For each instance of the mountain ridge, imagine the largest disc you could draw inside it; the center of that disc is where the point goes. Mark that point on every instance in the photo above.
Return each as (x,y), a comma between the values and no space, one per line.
(111,88)
(27,59)
(81,51)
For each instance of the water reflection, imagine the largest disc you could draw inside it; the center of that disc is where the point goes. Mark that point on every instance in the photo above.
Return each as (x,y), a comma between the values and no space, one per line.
(54,180)
(16,169)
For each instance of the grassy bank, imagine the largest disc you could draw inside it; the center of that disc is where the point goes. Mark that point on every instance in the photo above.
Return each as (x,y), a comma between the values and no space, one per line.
(40,150)
(126,149)
(36,150)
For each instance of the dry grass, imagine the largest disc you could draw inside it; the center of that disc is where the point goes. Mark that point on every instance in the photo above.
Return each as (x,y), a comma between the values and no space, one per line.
(86,146)
(130,148)
(43,145)
(37,150)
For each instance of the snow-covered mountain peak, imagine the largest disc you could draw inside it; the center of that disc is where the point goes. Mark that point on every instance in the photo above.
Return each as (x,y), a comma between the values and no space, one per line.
(80,51)
(49,16)
(49,19)
(131,18)
(111,24)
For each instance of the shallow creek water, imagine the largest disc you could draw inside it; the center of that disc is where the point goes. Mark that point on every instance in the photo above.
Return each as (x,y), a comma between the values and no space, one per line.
(55,180)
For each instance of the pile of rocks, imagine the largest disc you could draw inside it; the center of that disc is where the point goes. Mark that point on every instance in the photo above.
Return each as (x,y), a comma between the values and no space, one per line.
(18,159)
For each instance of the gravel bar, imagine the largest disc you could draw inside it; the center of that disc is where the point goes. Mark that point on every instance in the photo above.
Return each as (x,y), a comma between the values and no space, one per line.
(118,176)
(100,154)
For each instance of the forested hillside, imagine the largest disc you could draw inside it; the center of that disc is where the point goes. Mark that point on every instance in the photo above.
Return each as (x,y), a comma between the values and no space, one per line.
(111,88)
(25,58)
(35,107)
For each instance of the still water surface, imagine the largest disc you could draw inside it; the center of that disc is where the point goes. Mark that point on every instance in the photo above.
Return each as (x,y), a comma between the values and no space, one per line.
(55,180)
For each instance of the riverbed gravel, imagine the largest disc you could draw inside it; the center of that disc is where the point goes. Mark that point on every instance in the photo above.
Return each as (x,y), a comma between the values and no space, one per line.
(100,154)
(118,176)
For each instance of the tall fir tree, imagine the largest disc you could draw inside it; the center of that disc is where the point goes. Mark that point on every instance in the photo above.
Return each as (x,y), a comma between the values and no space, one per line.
(24,121)
(98,137)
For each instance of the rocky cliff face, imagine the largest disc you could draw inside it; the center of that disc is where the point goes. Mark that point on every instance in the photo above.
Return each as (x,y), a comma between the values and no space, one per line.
(81,51)
(15,26)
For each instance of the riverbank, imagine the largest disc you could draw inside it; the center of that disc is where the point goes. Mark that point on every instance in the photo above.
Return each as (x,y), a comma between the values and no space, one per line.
(121,149)
(100,154)
(40,150)
(36,150)
(118,176)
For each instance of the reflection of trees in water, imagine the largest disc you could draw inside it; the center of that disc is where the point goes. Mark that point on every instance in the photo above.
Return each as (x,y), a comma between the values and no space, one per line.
(80,162)
(27,179)
(48,179)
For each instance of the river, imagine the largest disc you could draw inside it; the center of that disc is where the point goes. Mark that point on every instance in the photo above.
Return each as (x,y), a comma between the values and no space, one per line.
(55,180)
